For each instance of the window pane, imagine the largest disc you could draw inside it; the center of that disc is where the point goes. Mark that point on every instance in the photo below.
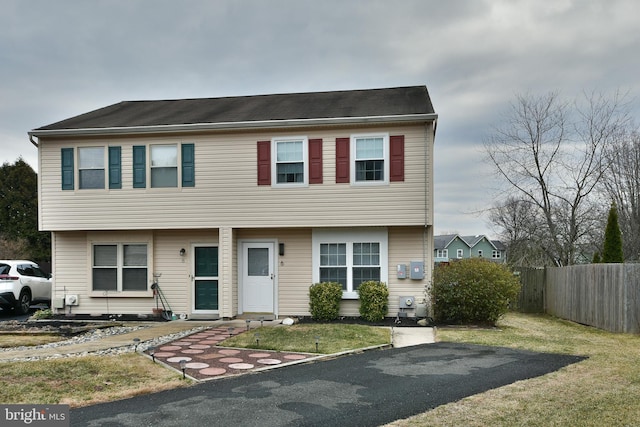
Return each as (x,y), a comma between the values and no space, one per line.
(258,262)
(338,275)
(164,177)
(164,155)
(91,178)
(289,151)
(91,158)
(333,254)
(363,274)
(366,254)
(105,279)
(369,148)
(290,172)
(105,255)
(134,279)
(206,261)
(370,170)
(135,255)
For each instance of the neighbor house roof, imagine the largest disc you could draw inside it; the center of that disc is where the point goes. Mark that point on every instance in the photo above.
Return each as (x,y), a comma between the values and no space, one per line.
(390,104)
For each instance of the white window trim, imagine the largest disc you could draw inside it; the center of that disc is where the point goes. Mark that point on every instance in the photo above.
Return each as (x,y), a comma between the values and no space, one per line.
(274,161)
(119,292)
(385,154)
(480,253)
(460,253)
(442,253)
(105,168)
(364,235)
(495,254)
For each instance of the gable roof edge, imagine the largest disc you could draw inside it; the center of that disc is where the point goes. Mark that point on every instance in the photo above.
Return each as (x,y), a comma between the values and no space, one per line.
(195,127)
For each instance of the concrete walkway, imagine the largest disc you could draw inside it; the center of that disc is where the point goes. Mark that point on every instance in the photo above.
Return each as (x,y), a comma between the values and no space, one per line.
(401,337)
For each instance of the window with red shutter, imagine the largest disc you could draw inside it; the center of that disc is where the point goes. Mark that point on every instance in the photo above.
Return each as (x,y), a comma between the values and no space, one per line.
(342,160)
(396,158)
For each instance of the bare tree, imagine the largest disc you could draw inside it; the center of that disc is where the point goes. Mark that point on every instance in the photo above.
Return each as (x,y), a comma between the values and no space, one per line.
(622,185)
(550,152)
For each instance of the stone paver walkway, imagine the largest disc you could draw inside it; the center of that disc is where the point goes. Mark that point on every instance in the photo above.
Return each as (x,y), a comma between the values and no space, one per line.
(206,360)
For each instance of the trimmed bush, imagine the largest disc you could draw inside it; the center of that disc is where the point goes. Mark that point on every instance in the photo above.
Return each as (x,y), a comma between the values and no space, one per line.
(473,291)
(374,300)
(324,300)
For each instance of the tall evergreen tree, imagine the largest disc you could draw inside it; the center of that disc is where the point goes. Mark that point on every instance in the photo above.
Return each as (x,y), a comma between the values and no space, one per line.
(19,235)
(612,251)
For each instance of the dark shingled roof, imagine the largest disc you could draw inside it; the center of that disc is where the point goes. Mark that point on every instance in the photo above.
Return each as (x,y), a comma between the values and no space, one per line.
(294,106)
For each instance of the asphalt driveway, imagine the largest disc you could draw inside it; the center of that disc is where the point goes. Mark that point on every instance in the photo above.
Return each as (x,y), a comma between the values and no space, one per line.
(366,389)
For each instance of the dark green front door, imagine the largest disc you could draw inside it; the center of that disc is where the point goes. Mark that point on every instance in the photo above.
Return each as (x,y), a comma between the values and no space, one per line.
(206,278)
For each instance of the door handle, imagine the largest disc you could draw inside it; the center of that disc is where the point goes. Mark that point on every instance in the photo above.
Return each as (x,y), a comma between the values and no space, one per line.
(272,276)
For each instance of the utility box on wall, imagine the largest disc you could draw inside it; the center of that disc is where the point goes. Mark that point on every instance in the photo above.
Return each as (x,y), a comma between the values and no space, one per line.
(402,271)
(417,270)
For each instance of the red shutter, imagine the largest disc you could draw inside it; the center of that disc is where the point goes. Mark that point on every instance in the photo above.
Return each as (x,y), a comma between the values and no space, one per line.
(264,162)
(396,158)
(315,161)
(342,160)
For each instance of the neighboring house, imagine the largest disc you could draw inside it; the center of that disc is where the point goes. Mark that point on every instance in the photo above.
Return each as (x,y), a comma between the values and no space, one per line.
(236,205)
(450,247)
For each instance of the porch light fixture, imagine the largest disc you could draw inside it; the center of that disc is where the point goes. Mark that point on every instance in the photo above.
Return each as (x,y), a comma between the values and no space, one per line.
(183,251)
(281,249)
(183,366)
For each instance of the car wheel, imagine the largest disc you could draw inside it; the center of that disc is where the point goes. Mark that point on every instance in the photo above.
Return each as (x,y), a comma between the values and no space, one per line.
(24,302)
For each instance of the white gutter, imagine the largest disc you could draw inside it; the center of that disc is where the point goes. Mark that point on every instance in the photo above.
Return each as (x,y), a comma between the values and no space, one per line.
(196,127)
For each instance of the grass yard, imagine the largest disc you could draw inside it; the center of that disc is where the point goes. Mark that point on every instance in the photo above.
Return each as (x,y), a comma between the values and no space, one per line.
(603,390)
(18,340)
(332,338)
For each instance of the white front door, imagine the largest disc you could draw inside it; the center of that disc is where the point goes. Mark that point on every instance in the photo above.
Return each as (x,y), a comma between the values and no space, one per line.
(258,277)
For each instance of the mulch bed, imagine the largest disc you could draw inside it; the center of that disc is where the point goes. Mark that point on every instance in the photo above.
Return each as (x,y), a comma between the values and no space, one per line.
(206,360)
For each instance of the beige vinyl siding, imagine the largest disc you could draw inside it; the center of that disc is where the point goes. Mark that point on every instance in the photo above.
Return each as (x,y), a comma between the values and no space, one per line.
(226,192)
(408,244)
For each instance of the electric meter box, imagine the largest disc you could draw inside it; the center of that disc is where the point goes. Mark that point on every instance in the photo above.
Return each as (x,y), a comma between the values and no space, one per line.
(401,271)
(417,270)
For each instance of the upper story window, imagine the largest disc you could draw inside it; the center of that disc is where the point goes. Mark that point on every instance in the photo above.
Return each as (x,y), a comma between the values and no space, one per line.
(164,166)
(290,159)
(370,159)
(94,166)
(91,167)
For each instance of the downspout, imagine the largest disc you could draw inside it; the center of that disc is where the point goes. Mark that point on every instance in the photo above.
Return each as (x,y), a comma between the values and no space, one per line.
(33,142)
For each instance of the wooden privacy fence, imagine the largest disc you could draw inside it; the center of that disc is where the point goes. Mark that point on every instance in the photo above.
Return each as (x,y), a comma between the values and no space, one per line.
(606,296)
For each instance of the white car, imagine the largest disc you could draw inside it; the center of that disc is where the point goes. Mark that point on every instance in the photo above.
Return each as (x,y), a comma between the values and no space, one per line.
(23,283)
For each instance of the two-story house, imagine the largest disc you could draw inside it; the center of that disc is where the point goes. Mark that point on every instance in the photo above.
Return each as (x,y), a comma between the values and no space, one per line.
(237,205)
(449,247)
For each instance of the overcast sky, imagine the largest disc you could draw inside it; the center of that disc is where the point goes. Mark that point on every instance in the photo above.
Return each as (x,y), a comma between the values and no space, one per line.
(66,57)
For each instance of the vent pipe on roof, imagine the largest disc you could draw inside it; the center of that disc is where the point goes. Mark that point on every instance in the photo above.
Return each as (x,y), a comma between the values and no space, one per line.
(32,141)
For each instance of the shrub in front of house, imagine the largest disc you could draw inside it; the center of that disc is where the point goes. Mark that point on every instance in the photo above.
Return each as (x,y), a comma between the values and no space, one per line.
(324,300)
(374,300)
(473,290)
